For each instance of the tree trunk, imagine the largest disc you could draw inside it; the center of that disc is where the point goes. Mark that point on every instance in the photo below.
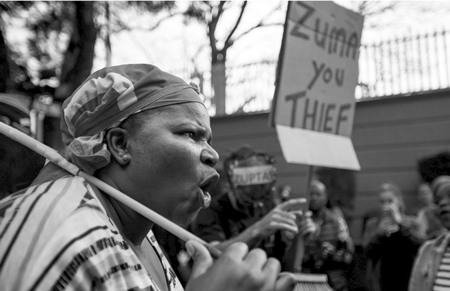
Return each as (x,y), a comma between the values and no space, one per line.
(79,57)
(219,83)
(4,65)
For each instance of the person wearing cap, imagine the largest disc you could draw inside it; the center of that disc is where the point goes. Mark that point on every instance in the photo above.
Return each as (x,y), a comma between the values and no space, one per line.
(146,133)
(247,212)
(431,269)
(331,249)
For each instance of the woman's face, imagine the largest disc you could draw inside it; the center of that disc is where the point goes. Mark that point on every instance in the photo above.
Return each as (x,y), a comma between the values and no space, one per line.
(388,198)
(319,197)
(172,162)
(442,200)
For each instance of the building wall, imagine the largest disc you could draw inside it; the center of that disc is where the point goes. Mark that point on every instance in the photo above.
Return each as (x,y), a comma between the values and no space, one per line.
(390,135)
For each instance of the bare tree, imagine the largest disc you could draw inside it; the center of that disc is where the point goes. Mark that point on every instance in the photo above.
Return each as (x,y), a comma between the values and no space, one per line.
(371,9)
(210,13)
(114,22)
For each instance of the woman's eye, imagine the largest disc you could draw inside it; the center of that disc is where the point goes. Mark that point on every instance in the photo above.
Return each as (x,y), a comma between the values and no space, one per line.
(189,134)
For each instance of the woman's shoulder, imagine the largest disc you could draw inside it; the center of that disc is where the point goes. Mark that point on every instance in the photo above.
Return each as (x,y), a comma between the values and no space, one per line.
(51,204)
(54,222)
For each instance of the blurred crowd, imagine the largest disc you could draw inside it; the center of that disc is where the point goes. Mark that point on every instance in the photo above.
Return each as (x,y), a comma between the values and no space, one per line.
(312,236)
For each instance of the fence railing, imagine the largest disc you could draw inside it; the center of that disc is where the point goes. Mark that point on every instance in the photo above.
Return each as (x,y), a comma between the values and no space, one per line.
(404,65)
(398,66)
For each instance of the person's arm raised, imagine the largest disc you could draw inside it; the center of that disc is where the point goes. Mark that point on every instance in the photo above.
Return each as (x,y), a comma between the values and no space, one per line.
(237,269)
(281,218)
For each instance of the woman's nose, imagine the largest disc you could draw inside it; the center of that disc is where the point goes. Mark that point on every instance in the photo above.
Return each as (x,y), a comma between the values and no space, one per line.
(209,156)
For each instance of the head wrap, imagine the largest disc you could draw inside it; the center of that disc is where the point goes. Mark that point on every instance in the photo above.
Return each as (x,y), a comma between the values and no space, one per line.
(106,98)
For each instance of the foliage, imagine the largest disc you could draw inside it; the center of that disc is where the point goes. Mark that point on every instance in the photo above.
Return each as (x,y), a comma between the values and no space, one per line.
(49,26)
(8,71)
(61,38)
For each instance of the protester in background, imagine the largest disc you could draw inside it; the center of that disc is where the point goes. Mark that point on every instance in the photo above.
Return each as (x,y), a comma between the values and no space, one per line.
(428,216)
(432,266)
(331,249)
(247,213)
(146,133)
(391,242)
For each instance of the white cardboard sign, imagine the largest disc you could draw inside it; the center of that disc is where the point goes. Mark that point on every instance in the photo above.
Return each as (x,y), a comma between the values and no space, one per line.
(317,75)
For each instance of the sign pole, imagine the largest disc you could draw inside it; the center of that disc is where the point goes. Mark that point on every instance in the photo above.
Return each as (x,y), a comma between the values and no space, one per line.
(300,246)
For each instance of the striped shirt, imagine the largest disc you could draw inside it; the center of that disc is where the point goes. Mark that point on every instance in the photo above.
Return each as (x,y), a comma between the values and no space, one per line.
(442,281)
(57,236)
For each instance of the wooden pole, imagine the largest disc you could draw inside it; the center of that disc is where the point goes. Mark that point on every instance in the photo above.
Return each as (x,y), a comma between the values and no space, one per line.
(300,247)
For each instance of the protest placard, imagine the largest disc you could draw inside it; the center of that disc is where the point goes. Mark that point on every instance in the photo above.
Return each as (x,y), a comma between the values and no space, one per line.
(314,103)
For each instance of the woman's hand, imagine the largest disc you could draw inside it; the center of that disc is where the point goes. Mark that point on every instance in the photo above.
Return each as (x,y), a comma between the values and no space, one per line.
(237,269)
(390,221)
(307,227)
(392,211)
(387,226)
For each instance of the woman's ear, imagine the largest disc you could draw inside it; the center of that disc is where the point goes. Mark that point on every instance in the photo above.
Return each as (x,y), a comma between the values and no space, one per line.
(117,142)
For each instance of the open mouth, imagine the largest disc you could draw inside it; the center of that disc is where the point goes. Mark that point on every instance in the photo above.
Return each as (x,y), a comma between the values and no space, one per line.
(204,198)
(206,186)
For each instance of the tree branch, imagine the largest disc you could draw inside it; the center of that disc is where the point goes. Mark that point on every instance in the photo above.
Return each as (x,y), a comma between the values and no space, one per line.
(123,26)
(260,24)
(215,18)
(213,25)
(228,43)
(255,27)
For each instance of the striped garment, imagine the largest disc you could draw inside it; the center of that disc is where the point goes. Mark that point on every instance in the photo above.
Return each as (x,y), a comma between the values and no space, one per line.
(57,236)
(442,282)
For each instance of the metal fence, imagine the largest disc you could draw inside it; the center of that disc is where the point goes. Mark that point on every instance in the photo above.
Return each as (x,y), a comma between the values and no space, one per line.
(399,66)
(404,65)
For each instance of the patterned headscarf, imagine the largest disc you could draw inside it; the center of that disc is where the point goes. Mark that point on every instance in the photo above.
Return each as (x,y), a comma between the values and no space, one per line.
(109,96)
